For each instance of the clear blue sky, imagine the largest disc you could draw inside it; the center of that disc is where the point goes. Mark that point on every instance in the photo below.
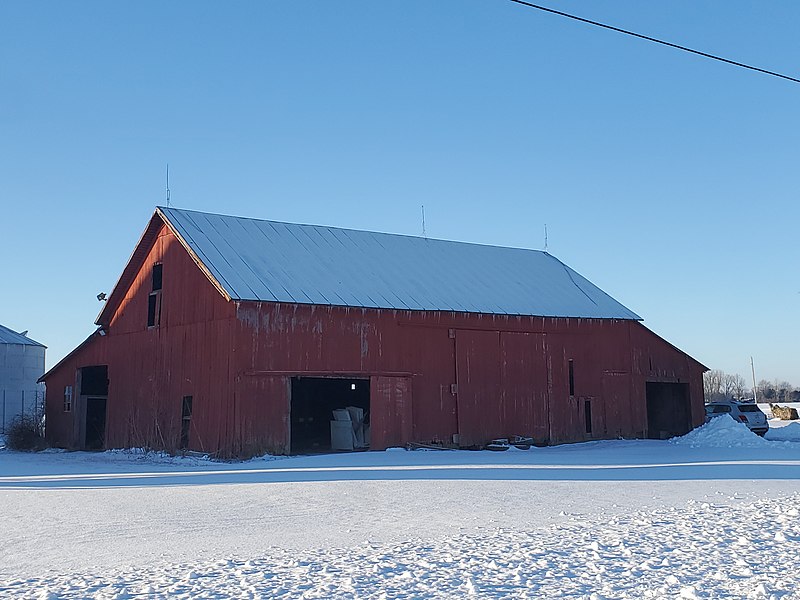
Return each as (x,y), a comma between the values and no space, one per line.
(668,180)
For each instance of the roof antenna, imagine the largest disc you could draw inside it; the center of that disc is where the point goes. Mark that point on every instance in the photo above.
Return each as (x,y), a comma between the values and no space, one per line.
(167,185)
(545,237)
(424,234)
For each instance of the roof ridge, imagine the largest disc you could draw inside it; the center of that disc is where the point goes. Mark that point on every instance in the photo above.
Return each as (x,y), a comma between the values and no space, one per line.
(350,229)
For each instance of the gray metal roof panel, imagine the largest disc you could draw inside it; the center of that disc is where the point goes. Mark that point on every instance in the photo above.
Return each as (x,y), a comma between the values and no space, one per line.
(308,264)
(9,336)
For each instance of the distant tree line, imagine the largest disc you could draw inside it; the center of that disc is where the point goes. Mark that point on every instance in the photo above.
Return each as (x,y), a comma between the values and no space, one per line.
(777,391)
(718,385)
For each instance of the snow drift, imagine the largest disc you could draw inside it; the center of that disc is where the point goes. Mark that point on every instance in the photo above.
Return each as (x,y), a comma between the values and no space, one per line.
(721,432)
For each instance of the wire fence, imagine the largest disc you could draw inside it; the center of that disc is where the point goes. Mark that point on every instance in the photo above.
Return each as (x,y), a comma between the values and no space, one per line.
(16,403)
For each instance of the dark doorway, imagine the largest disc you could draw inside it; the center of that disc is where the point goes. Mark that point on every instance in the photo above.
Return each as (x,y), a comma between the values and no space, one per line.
(94,389)
(313,401)
(668,410)
(95,423)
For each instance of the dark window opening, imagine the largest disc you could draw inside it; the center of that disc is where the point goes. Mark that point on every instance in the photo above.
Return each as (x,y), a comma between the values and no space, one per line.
(94,381)
(587,412)
(313,425)
(157,276)
(186,421)
(154,309)
(154,300)
(68,398)
(571,377)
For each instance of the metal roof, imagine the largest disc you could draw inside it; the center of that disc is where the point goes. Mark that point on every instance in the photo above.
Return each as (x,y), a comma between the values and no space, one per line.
(308,264)
(8,336)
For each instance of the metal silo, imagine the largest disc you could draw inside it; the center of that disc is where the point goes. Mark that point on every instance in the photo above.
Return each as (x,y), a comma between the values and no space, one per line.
(21,365)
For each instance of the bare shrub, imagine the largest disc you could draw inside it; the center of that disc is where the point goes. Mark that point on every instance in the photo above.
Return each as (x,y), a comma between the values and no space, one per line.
(25,433)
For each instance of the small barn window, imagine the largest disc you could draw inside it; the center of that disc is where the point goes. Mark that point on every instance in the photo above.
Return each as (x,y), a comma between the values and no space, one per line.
(153,310)
(157,276)
(186,421)
(154,300)
(67,398)
(571,377)
(587,413)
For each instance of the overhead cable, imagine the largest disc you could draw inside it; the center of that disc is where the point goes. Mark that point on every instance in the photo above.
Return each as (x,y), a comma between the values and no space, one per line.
(652,39)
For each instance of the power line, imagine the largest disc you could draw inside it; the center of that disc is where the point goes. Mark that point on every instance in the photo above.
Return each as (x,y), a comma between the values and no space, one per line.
(652,39)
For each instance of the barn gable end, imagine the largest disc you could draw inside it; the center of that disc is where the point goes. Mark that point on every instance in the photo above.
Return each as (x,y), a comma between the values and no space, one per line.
(152,367)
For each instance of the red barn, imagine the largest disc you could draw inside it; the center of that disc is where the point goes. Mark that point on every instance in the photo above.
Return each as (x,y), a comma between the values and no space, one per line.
(238,336)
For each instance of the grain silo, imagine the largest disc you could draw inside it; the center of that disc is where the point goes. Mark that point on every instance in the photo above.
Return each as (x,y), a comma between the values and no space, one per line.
(21,365)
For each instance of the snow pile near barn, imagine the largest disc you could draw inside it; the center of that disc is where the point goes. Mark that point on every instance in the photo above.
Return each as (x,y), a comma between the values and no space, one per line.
(786,433)
(721,432)
(191,459)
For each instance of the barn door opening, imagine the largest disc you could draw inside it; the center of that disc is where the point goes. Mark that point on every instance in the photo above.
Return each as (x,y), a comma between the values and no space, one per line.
(95,424)
(668,410)
(94,396)
(329,414)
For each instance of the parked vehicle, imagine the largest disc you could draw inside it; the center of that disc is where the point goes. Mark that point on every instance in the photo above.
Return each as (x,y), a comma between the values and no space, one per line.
(744,412)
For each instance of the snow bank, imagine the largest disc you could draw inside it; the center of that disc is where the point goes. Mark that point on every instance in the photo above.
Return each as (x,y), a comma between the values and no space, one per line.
(721,432)
(154,457)
(158,457)
(785,433)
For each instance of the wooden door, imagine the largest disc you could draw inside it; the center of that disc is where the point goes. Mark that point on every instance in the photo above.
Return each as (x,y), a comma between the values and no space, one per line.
(390,411)
(478,386)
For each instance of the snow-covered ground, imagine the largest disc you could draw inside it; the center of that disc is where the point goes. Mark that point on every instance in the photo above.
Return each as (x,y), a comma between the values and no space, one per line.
(710,515)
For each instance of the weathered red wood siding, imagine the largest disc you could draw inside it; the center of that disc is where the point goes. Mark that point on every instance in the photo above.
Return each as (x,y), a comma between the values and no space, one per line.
(62,428)
(474,376)
(391,421)
(433,375)
(150,370)
(657,360)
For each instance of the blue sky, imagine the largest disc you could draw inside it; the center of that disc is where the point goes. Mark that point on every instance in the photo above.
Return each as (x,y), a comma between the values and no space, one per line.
(667,179)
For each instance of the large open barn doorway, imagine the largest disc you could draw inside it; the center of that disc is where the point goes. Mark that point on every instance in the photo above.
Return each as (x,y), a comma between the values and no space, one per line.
(313,422)
(668,410)
(94,394)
